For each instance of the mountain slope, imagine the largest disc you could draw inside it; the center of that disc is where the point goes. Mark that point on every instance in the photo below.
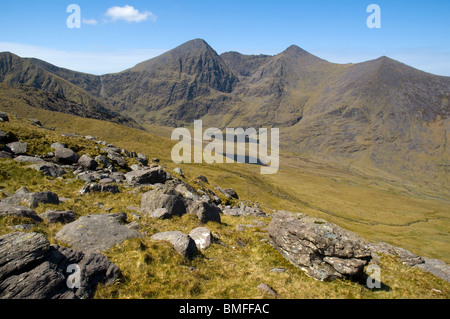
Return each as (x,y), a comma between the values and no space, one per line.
(40,81)
(179,86)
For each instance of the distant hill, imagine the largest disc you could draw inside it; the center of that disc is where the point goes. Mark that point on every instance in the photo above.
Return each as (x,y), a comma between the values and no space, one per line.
(46,86)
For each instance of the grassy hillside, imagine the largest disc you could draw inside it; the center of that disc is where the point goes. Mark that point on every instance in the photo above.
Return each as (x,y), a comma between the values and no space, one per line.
(373,209)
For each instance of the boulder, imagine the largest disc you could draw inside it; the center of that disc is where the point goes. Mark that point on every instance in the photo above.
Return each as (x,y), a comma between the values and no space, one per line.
(88,163)
(324,250)
(405,256)
(202,179)
(32,269)
(160,213)
(174,203)
(5,154)
(17,148)
(18,211)
(103,160)
(142,159)
(49,169)
(146,176)
(66,155)
(182,243)
(57,145)
(205,211)
(96,232)
(63,217)
(229,192)
(102,188)
(202,237)
(117,158)
(32,199)
(436,267)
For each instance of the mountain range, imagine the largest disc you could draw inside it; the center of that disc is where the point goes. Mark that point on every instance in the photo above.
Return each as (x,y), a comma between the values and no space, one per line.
(380,117)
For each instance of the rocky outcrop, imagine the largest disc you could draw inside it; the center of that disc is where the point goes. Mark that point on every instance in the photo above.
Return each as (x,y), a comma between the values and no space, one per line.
(96,232)
(146,176)
(182,243)
(30,268)
(436,267)
(405,256)
(324,250)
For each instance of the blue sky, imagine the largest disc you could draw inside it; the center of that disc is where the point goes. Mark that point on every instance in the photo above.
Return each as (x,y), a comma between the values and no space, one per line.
(111,40)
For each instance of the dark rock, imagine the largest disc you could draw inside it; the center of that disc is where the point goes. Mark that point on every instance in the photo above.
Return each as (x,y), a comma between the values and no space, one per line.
(202,237)
(103,160)
(88,163)
(182,243)
(49,169)
(4,117)
(66,155)
(141,158)
(18,211)
(324,250)
(4,154)
(18,148)
(203,179)
(205,211)
(32,269)
(35,121)
(2,136)
(230,192)
(63,217)
(96,232)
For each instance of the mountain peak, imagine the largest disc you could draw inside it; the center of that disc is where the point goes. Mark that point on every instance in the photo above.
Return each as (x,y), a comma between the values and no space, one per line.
(295,50)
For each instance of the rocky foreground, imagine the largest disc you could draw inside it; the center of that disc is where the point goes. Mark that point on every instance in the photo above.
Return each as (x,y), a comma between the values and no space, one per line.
(31,267)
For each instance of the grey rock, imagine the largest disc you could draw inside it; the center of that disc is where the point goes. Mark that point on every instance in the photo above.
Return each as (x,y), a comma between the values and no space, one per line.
(324,250)
(146,176)
(28,159)
(160,213)
(174,203)
(244,210)
(178,171)
(32,199)
(63,217)
(32,269)
(117,158)
(94,187)
(49,169)
(57,145)
(88,163)
(405,256)
(96,232)
(35,121)
(17,148)
(18,211)
(66,155)
(182,243)
(229,191)
(278,270)
(436,267)
(202,237)
(136,167)
(267,289)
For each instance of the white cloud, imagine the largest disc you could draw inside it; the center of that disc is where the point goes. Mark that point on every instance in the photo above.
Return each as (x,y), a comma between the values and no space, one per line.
(90,21)
(100,61)
(129,14)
